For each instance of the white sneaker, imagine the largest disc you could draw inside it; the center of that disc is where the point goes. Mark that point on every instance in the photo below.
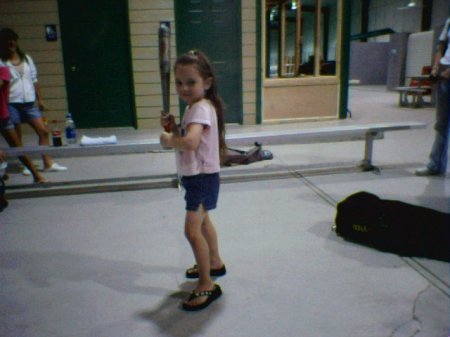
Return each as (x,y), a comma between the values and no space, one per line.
(55,168)
(26,172)
(425,171)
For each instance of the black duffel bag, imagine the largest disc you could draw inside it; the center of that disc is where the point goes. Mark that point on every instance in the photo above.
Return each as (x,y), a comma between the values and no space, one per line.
(394,226)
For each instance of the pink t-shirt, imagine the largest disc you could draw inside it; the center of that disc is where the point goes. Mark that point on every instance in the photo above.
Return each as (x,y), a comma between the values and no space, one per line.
(5,76)
(205,159)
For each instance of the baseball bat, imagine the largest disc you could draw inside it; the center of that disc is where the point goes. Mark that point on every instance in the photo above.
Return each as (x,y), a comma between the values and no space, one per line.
(164,69)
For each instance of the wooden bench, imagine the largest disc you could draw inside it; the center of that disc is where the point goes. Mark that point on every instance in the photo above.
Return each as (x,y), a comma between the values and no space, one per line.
(416,94)
(367,133)
(419,86)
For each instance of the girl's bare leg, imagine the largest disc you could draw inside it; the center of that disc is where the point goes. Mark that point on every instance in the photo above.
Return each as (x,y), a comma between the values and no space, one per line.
(200,247)
(210,235)
(13,140)
(41,129)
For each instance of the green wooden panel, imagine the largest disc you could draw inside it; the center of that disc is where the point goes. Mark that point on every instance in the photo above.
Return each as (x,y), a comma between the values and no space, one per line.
(97,62)
(214,27)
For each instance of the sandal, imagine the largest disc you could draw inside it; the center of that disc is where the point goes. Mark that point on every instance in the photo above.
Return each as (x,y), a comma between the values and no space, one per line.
(42,181)
(193,272)
(211,295)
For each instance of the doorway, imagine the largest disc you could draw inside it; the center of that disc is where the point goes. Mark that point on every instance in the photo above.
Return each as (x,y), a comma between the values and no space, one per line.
(97,62)
(214,27)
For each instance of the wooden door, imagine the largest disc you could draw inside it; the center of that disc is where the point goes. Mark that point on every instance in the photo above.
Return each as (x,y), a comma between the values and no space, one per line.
(97,62)
(214,27)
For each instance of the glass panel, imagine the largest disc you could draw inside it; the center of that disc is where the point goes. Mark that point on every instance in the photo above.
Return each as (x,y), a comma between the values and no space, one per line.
(328,28)
(298,45)
(307,57)
(272,38)
(290,38)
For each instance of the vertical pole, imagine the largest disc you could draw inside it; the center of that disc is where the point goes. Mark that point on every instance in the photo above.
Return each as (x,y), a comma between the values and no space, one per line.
(364,18)
(317,37)
(298,36)
(282,60)
(259,58)
(345,57)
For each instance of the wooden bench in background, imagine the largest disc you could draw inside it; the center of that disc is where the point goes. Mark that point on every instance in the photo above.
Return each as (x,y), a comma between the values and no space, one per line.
(419,86)
(416,94)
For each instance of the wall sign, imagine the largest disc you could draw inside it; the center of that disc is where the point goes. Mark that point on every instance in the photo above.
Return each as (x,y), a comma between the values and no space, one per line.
(50,33)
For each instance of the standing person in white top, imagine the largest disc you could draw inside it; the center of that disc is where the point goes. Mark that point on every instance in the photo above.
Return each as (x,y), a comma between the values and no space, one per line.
(24,92)
(441,70)
(199,144)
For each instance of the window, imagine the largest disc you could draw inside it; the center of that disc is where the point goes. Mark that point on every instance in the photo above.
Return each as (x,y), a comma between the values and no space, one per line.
(300,38)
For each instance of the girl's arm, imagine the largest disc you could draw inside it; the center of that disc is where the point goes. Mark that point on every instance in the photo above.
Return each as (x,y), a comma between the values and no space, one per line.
(37,89)
(34,78)
(437,58)
(190,141)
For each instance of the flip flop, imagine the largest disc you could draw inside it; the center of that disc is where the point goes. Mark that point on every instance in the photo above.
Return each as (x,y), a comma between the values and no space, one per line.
(41,182)
(193,272)
(211,296)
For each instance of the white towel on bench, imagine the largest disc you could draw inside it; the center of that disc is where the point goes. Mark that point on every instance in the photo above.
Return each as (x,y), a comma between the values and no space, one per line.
(85,140)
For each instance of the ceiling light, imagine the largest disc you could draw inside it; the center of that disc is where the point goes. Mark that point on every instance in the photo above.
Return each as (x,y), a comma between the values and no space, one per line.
(410,5)
(294,5)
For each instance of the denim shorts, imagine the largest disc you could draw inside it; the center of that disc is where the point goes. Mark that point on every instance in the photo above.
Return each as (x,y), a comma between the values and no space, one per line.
(21,113)
(201,189)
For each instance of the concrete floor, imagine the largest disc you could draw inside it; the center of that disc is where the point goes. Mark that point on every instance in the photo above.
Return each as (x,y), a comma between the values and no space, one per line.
(111,264)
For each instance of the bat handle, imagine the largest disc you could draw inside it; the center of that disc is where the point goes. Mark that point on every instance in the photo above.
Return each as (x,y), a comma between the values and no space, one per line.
(169,121)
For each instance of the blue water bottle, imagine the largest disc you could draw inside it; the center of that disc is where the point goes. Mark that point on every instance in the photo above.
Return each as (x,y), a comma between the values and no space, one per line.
(71,134)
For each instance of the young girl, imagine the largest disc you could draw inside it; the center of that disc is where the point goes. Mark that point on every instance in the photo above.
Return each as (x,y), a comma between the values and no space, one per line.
(199,144)
(24,90)
(10,134)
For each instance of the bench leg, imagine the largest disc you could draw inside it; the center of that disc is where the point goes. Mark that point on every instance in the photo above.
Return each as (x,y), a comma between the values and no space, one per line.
(366,163)
(403,99)
(419,101)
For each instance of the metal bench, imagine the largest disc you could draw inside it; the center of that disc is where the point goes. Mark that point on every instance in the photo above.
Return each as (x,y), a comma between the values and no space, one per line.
(368,133)
(416,94)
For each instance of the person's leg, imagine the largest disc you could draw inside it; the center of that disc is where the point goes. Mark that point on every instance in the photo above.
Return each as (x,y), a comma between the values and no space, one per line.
(27,112)
(201,189)
(13,140)
(41,130)
(18,130)
(206,290)
(210,235)
(438,155)
(200,248)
